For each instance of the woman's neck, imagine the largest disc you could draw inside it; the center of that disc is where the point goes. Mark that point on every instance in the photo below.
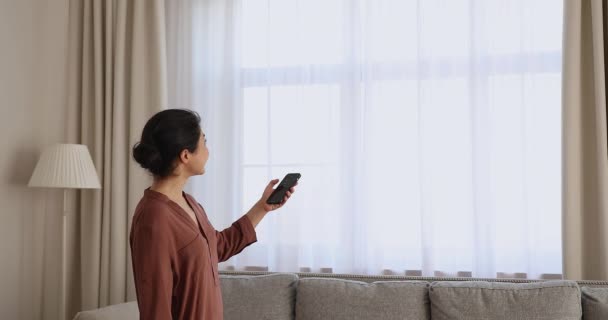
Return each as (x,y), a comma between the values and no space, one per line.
(172,187)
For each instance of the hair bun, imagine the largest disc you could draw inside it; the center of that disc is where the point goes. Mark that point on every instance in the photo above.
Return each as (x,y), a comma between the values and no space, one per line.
(147,155)
(166,134)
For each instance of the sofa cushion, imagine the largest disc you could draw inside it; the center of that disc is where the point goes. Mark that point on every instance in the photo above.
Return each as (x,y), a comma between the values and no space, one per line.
(122,311)
(556,300)
(265,297)
(337,299)
(595,303)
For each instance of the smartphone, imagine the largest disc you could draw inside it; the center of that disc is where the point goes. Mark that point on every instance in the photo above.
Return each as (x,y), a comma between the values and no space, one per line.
(279,192)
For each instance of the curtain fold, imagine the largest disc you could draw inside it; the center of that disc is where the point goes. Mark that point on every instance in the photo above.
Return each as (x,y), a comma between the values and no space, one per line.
(585,152)
(117,80)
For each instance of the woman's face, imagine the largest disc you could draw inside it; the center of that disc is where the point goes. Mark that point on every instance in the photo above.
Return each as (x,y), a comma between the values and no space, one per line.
(195,163)
(201,155)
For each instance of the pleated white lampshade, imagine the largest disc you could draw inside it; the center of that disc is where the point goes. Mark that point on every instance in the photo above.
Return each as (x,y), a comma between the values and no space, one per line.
(65,166)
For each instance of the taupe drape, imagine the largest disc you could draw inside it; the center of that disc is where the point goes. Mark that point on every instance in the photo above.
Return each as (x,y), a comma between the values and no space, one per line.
(585,155)
(117,80)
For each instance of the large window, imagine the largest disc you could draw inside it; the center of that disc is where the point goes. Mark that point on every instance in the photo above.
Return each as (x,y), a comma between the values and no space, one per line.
(427,132)
(436,124)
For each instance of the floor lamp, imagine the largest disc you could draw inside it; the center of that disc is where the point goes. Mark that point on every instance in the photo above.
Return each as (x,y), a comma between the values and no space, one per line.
(67,166)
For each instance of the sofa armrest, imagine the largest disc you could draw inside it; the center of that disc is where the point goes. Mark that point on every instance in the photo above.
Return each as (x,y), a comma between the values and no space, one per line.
(121,311)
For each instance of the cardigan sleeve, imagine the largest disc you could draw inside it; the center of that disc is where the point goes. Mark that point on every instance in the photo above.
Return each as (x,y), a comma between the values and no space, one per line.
(151,251)
(235,238)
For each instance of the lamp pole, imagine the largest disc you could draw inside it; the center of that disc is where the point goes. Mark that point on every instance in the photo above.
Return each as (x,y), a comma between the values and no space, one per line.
(63,254)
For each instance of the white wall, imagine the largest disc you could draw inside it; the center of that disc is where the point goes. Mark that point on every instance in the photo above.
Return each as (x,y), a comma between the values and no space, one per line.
(33,39)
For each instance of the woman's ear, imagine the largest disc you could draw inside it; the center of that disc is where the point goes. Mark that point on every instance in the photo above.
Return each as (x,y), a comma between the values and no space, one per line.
(184,156)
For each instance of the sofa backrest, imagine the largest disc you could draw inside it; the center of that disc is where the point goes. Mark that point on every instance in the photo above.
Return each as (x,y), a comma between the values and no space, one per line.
(259,297)
(289,296)
(338,299)
(595,302)
(556,300)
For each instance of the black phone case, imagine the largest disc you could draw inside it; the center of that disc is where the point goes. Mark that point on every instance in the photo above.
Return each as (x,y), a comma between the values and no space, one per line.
(279,192)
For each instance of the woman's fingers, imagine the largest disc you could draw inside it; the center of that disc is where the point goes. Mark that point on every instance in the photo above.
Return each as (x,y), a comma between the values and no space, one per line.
(285,198)
(289,193)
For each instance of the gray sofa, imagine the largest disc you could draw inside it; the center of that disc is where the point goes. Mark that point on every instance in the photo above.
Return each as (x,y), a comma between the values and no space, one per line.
(309,296)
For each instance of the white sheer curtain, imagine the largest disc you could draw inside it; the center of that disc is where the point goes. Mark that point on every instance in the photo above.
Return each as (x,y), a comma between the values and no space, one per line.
(427,132)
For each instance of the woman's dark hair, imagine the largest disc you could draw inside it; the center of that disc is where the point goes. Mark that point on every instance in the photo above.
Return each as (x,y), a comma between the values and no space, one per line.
(164,137)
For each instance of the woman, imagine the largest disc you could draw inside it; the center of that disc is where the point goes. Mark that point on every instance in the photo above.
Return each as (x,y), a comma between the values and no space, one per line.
(174,248)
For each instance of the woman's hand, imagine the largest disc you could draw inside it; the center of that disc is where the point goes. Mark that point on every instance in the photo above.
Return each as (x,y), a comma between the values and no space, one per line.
(268,191)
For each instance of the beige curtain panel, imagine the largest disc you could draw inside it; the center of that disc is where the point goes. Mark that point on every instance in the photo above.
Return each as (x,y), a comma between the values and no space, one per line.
(117,72)
(585,153)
